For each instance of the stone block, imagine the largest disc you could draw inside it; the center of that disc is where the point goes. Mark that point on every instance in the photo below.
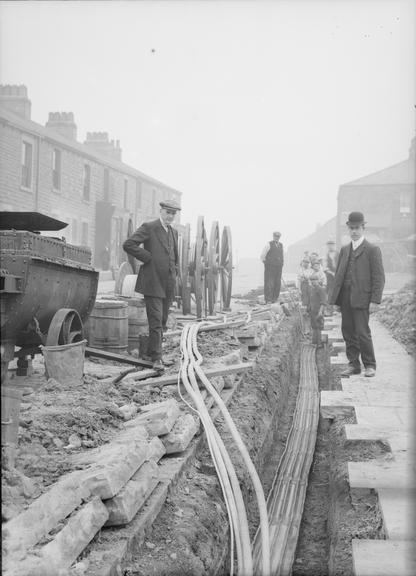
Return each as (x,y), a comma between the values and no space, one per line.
(234,357)
(155,449)
(125,505)
(157,418)
(229,380)
(55,558)
(76,534)
(105,479)
(31,525)
(181,434)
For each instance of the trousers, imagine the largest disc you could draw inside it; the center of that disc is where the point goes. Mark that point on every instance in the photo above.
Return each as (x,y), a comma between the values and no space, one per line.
(157,310)
(272,282)
(356,332)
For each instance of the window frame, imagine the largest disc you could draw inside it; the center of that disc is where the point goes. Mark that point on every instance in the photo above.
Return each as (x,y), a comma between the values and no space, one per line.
(57,169)
(86,183)
(29,166)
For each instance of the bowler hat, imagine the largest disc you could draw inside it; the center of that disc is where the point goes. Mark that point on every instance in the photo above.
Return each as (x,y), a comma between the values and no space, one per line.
(169,204)
(356,218)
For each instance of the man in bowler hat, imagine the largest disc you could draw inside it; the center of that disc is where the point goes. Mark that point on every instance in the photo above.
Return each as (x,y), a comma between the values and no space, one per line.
(357,289)
(272,257)
(155,244)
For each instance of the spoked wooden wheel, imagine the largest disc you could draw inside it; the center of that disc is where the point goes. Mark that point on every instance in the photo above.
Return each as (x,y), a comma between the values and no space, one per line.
(200,261)
(185,280)
(213,270)
(65,328)
(226,268)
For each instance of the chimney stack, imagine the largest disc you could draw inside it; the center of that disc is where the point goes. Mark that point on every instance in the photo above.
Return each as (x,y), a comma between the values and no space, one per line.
(14,98)
(63,123)
(100,143)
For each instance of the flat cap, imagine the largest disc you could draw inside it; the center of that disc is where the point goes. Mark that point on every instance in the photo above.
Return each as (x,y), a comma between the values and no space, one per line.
(169,204)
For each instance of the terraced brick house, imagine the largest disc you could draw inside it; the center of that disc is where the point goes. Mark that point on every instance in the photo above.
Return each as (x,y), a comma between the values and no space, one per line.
(45,169)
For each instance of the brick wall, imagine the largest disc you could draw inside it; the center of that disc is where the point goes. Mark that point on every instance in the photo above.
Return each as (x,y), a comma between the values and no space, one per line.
(133,196)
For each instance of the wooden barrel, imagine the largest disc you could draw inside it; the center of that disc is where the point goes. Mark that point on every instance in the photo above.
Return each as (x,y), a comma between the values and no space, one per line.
(108,326)
(137,322)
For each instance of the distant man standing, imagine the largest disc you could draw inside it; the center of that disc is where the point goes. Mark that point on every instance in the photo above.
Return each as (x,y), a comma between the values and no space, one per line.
(357,289)
(157,276)
(272,257)
(331,265)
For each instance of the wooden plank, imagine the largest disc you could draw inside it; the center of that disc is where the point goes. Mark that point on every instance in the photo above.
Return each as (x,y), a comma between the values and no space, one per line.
(97,353)
(209,372)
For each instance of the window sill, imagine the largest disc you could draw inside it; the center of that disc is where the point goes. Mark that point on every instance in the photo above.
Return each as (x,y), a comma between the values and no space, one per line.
(57,190)
(25,189)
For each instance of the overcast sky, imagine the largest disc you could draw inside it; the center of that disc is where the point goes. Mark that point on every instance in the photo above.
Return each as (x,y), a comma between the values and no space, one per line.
(257,111)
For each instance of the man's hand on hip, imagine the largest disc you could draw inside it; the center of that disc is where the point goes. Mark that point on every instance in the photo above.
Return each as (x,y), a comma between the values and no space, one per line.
(374,307)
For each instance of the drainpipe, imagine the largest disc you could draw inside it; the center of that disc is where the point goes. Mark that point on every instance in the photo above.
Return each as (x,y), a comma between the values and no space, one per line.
(37,174)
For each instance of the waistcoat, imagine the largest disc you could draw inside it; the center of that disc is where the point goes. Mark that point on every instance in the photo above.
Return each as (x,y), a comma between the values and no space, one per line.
(274,255)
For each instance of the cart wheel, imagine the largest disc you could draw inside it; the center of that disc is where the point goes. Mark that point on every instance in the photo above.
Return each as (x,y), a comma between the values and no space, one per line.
(226,267)
(65,328)
(185,280)
(200,268)
(213,271)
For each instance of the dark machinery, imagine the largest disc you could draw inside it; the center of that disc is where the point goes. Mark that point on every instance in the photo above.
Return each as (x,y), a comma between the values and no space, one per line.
(48,287)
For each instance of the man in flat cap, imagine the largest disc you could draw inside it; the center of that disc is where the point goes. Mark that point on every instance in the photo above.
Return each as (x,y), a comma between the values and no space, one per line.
(272,257)
(357,289)
(155,244)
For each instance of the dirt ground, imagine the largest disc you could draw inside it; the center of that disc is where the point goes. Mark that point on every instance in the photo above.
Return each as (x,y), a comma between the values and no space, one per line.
(332,515)
(190,535)
(398,313)
(57,419)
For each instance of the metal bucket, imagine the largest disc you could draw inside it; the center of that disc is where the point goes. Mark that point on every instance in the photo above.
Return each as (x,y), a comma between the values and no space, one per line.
(10,411)
(137,322)
(65,363)
(108,326)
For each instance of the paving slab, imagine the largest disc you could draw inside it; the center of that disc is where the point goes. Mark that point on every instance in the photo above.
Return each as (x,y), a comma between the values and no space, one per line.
(394,416)
(398,439)
(398,508)
(384,558)
(395,473)
(339,359)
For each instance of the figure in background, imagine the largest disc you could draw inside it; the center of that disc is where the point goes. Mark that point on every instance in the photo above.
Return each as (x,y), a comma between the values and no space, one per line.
(318,300)
(318,269)
(358,288)
(303,280)
(105,258)
(157,276)
(272,257)
(329,269)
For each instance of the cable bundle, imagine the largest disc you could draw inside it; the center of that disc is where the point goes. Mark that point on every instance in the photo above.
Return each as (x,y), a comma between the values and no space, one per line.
(239,531)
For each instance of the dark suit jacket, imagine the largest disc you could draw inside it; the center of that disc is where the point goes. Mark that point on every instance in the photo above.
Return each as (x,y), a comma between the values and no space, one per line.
(367,279)
(154,273)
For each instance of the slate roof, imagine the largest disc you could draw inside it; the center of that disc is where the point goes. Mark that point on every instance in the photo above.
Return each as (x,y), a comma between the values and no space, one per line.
(31,127)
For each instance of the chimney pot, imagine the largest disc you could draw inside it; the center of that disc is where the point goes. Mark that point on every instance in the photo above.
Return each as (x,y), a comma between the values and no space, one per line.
(14,98)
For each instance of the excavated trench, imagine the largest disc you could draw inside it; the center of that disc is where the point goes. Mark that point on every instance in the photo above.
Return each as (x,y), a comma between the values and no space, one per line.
(191,535)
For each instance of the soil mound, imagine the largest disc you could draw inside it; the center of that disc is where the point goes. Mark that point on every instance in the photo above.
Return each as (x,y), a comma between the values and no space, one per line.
(398,314)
